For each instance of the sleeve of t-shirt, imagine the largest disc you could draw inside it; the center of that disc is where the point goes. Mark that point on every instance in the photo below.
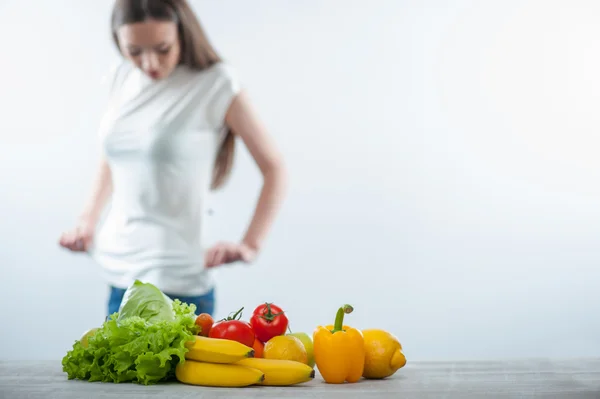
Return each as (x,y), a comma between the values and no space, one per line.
(108,79)
(113,78)
(110,85)
(227,87)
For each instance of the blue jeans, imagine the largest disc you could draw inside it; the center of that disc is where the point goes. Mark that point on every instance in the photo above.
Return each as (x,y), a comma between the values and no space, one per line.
(204,303)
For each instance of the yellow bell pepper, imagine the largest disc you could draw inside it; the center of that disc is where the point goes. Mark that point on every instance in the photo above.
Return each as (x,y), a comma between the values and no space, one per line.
(339,350)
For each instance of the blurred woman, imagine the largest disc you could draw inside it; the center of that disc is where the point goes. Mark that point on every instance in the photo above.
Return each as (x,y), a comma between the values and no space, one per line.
(168,138)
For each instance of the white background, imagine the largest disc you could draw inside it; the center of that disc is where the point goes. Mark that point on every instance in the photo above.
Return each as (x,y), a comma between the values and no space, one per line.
(443,161)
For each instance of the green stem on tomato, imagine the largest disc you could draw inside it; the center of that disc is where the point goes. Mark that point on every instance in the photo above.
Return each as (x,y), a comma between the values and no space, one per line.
(270,316)
(238,313)
(230,317)
(339,318)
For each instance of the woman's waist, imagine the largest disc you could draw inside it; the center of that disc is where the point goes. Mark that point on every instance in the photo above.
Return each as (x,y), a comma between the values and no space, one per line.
(128,250)
(166,194)
(152,231)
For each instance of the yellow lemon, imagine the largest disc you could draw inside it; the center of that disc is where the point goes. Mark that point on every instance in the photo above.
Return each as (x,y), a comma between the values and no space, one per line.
(285,347)
(86,335)
(383,354)
(308,345)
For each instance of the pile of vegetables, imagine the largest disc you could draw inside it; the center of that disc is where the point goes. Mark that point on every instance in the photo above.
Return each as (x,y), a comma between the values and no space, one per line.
(142,343)
(148,339)
(267,321)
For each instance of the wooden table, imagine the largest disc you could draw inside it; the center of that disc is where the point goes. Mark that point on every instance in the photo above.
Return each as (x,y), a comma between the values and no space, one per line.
(535,378)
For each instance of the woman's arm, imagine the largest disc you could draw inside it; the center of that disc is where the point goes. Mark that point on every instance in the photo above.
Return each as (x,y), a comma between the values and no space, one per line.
(101,191)
(80,238)
(244,122)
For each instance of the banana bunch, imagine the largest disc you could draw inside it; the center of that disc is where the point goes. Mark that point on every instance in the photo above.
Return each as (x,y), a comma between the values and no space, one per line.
(219,362)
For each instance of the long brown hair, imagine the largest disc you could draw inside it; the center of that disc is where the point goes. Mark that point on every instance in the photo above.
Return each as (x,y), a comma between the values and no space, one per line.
(196,53)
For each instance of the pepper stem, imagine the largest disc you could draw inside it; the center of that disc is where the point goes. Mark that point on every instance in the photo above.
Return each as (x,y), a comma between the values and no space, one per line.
(339,318)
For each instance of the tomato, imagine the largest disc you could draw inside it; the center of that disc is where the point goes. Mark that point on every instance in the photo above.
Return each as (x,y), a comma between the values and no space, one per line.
(205,322)
(268,321)
(234,330)
(259,348)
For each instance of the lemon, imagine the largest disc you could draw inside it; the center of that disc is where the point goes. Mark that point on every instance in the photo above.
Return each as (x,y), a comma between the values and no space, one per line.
(285,347)
(308,345)
(383,354)
(86,335)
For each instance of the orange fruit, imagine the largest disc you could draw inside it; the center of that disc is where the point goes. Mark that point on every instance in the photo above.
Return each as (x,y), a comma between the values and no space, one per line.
(258,347)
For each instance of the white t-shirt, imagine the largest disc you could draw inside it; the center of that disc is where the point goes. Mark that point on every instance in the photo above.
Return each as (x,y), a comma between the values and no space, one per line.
(160,139)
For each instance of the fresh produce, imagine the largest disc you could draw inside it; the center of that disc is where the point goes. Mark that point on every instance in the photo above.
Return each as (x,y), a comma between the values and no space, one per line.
(234,329)
(280,372)
(153,339)
(308,345)
(217,350)
(268,321)
(86,336)
(205,322)
(146,301)
(258,347)
(142,343)
(339,350)
(285,347)
(383,354)
(217,375)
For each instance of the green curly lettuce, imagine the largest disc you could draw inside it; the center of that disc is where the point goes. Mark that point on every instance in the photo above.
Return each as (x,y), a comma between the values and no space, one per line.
(147,301)
(143,348)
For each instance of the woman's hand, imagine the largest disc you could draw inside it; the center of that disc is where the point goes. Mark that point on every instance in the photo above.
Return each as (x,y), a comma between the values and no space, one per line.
(225,252)
(80,238)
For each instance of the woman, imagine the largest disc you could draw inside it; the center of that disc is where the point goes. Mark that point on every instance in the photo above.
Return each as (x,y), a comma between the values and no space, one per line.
(167,139)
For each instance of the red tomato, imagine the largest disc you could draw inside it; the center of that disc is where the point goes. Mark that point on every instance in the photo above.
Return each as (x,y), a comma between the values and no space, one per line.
(205,322)
(268,321)
(234,330)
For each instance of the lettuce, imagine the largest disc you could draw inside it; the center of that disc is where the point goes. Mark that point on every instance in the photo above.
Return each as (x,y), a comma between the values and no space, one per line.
(146,301)
(142,343)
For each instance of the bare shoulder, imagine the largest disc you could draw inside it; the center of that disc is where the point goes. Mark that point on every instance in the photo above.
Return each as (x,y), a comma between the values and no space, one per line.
(241,114)
(243,119)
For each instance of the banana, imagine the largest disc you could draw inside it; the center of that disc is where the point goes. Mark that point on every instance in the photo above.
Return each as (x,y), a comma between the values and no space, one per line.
(217,350)
(217,375)
(280,372)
